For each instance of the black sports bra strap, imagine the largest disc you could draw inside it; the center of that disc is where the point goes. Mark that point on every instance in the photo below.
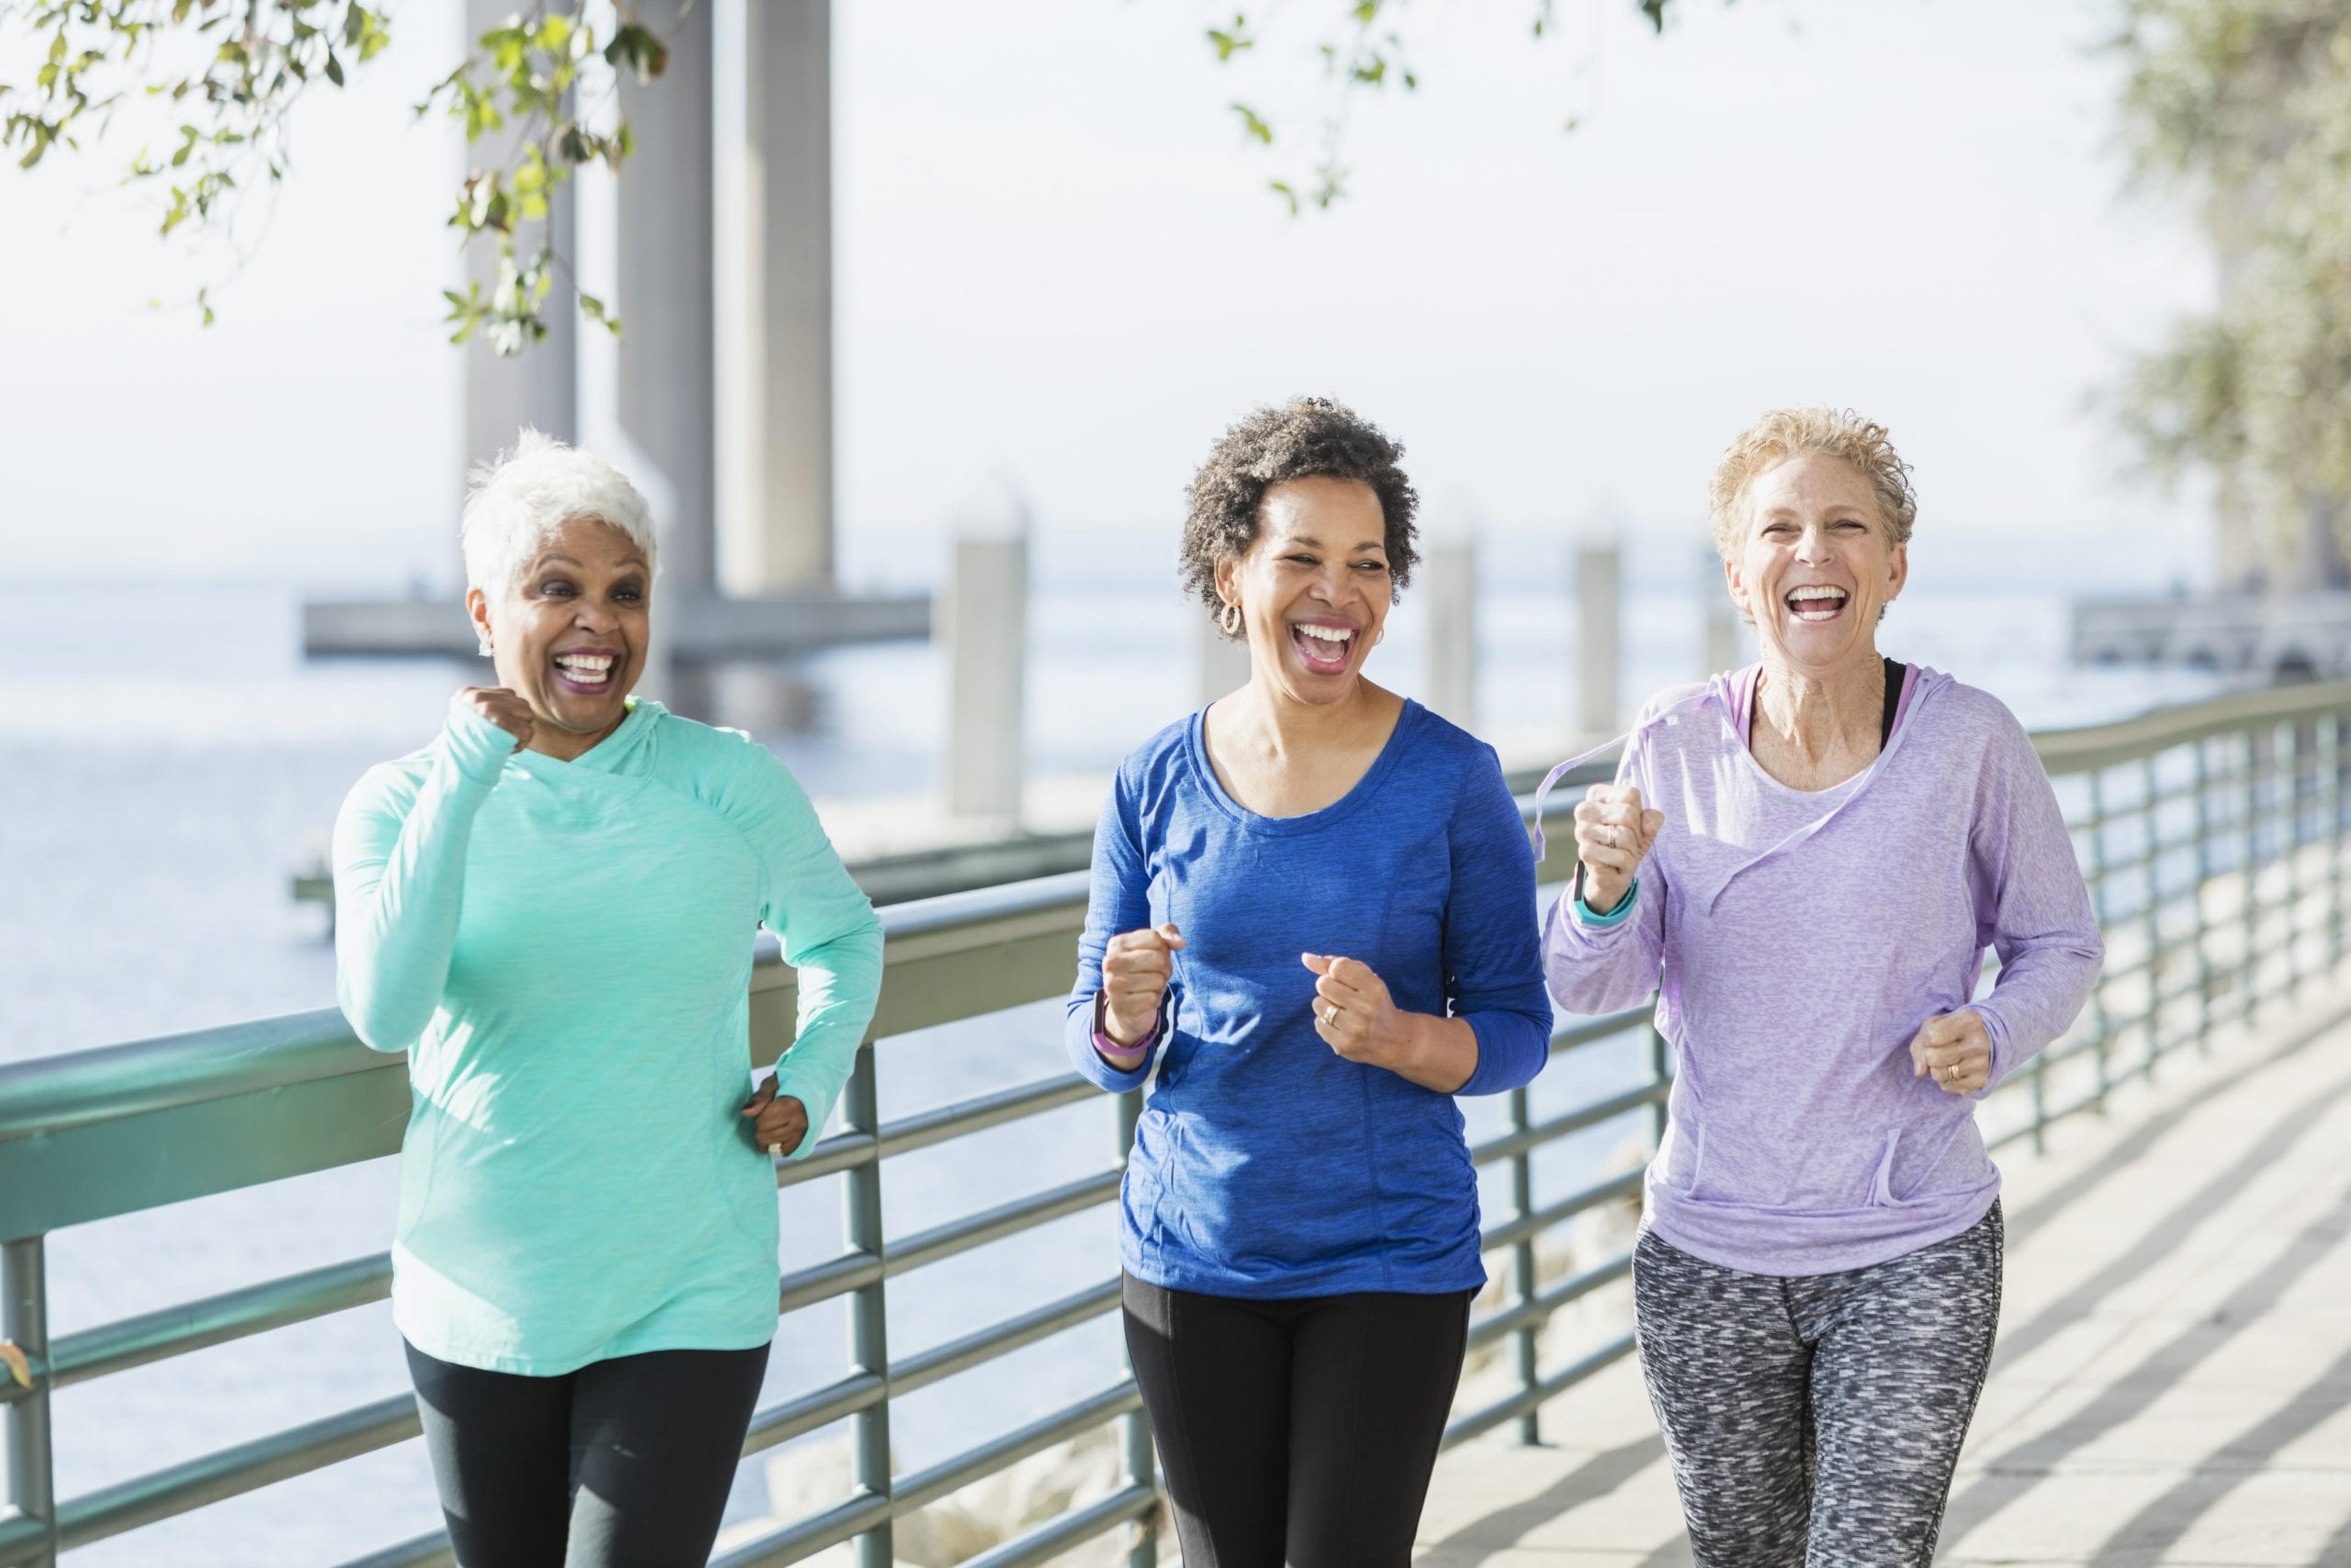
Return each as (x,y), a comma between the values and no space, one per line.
(1894,676)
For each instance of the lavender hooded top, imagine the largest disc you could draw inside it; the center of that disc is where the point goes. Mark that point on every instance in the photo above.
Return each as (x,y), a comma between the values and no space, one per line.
(1797,940)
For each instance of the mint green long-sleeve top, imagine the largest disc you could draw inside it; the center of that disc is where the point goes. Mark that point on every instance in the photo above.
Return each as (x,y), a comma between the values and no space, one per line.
(564,950)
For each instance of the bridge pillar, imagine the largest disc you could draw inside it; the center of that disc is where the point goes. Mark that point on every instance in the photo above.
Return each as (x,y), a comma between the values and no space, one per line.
(1599,580)
(777,524)
(666,296)
(1448,574)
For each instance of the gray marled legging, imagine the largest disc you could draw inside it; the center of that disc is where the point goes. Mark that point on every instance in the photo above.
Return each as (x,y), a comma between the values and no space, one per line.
(1814,1422)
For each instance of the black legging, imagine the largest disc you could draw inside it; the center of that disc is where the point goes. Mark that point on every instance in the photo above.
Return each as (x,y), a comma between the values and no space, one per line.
(1304,1427)
(623,1464)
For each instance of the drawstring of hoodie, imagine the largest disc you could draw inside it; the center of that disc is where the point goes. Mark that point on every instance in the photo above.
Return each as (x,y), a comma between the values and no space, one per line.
(1716,690)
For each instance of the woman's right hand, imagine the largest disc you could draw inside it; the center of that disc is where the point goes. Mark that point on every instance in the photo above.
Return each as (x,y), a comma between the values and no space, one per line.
(1135,970)
(501,707)
(1613,833)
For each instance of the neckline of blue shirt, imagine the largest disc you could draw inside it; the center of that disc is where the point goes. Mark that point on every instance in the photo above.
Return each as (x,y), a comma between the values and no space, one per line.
(1196,754)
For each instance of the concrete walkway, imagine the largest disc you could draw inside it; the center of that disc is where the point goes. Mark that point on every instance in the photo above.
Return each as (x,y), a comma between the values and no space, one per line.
(2173,1382)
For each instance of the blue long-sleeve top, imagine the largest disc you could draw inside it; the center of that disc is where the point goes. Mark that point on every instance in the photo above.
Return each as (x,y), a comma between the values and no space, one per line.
(1265,1163)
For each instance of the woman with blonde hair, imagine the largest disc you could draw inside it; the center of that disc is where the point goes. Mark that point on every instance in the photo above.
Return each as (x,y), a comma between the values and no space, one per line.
(1807,859)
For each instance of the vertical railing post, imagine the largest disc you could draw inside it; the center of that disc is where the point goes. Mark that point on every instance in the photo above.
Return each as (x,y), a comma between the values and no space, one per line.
(1134,1426)
(2297,760)
(2102,1027)
(31,1482)
(2249,960)
(1660,1073)
(1523,1265)
(2153,887)
(868,1309)
(2203,877)
(2334,764)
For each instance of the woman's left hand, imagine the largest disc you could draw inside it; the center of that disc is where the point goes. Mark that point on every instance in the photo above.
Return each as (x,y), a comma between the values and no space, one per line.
(778,1123)
(1954,1049)
(1352,1011)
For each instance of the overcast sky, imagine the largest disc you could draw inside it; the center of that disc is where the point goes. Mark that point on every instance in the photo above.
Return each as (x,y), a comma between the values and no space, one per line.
(1057,261)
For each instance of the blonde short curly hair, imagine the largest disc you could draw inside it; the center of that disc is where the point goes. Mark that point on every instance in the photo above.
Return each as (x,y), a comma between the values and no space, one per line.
(1786,433)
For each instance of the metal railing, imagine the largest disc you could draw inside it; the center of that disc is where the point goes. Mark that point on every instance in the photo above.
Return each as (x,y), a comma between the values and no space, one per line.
(2211,834)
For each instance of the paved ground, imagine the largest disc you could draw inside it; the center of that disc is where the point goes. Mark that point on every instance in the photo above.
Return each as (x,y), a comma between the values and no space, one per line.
(2173,1382)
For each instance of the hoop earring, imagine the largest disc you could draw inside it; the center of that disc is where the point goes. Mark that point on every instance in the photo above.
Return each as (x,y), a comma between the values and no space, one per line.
(1228,619)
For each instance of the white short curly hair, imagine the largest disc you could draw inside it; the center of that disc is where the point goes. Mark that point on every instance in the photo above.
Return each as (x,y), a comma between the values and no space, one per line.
(516,503)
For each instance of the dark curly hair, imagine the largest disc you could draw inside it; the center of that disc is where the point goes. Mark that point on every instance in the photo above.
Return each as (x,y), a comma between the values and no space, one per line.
(1305,438)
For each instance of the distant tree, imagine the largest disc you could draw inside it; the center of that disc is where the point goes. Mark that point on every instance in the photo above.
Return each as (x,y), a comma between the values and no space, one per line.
(212,84)
(2244,107)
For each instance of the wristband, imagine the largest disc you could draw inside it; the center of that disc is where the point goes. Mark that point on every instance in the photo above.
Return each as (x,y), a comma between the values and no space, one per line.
(1111,1047)
(1586,916)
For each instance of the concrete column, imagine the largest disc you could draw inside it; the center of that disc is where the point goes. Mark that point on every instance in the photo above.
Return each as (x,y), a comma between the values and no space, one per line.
(665,292)
(1223,662)
(1598,585)
(778,525)
(983,631)
(538,387)
(1448,585)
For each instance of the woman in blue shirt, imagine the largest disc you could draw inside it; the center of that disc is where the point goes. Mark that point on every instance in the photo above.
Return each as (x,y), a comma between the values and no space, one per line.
(1313,913)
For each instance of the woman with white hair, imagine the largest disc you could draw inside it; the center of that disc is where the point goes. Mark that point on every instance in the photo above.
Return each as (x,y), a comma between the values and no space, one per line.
(1806,860)
(552,908)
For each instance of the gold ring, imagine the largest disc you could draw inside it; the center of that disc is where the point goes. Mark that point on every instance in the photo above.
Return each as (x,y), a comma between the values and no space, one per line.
(1331,1016)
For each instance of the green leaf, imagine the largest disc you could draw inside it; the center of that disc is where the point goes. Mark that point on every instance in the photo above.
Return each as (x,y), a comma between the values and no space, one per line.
(1252,125)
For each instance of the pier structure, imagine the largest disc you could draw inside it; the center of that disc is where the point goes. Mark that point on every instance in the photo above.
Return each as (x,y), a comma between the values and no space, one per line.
(715,250)
(2171,1386)
(2266,636)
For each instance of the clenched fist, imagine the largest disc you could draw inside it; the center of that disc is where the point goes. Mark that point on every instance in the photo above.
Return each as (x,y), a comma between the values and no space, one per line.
(1353,1012)
(1955,1050)
(1137,966)
(1612,832)
(502,707)
(779,1121)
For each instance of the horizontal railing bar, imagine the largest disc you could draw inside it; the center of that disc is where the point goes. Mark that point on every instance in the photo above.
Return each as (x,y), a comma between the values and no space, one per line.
(920,1131)
(23,1536)
(216,1319)
(1048,1542)
(843,1150)
(805,1538)
(813,1411)
(927,1246)
(922,1368)
(1526,1225)
(924,1487)
(1491,1415)
(230,1472)
(836,1276)
(1560,1126)
(1601,1027)
(1538,1309)
(428,1550)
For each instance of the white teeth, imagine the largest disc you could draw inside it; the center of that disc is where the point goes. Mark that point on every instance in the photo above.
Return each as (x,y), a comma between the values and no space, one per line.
(584,663)
(1817,593)
(1328,633)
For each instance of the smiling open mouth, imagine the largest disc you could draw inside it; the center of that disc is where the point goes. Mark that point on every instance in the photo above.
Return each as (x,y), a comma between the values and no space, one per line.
(588,673)
(1322,647)
(1813,605)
